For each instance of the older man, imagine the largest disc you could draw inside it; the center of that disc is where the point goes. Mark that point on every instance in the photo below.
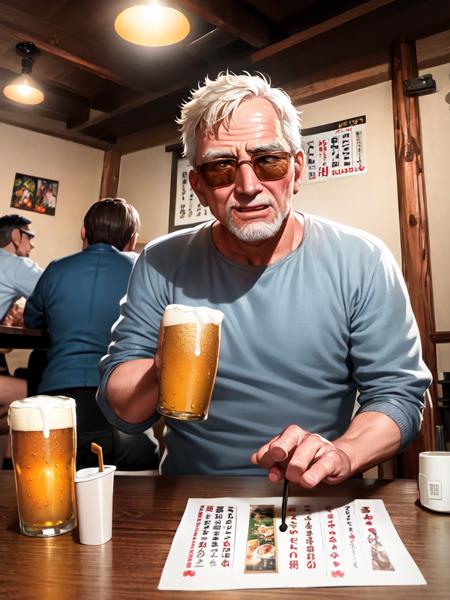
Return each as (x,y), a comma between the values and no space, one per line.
(314,311)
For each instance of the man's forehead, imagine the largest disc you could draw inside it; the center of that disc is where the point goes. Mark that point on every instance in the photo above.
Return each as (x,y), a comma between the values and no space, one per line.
(254,122)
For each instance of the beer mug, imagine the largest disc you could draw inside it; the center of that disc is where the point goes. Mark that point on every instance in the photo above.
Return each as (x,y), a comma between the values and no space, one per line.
(43,442)
(189,359)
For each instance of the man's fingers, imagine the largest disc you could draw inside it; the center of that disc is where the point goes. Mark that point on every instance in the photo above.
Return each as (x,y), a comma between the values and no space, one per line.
(262,457)
(306,453)
(285,443)
(332,467)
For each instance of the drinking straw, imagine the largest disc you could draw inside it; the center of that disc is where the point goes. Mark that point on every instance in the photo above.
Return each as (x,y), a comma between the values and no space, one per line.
(96,449)
(283,525)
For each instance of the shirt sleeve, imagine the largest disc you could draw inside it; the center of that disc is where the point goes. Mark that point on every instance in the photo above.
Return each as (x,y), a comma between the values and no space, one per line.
(135,333)
(34,313)
(385,351)
(26,276)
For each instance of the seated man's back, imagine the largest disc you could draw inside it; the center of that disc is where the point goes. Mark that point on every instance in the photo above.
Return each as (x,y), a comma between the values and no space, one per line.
(78,300)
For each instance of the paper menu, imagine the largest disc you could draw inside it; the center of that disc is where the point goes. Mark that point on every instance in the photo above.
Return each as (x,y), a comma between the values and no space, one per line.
(235,543)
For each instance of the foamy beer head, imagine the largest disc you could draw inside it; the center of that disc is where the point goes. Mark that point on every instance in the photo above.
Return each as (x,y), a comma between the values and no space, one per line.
(189,360)
(42,413)
(43,440)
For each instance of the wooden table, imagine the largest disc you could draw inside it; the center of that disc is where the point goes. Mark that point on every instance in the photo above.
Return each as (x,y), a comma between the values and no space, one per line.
(23,337)
(147,511)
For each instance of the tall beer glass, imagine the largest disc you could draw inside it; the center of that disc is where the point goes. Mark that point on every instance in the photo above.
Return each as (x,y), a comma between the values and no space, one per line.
(189,359)
(43,441)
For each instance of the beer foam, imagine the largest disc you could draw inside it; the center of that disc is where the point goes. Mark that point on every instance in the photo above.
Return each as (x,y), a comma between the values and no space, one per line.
(42,413)
(179,314)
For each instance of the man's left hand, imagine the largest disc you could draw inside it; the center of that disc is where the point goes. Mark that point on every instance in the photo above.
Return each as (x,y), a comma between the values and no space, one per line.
(304,458)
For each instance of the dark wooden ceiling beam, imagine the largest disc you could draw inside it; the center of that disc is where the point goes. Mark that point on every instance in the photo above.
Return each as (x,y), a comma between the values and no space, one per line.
(29,120)
(47,37)
(233,17)
(312,32)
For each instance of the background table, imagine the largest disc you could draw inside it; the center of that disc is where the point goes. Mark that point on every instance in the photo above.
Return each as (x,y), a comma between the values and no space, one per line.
(147,511)
(23,337)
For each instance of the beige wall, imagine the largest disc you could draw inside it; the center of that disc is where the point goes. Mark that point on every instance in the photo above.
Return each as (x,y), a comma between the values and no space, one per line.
(435,119)
(145,182)
(77,168)
(366,201)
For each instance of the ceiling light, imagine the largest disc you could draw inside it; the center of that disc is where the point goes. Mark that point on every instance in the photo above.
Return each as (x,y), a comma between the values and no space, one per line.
(24,89)
(152,25)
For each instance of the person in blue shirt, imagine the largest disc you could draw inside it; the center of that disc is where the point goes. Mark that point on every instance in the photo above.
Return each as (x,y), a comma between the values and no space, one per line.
(77,299)
(18,273)
(18,276)
(315,313)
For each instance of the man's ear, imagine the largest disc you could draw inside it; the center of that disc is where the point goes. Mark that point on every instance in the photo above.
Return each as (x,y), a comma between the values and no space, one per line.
(299,162)
(83,237)
(16,237)
(197,185)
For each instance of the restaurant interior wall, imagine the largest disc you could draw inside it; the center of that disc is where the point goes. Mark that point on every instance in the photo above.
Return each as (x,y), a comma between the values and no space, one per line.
(368,201)
(77,168)
(145,182)
(435,118)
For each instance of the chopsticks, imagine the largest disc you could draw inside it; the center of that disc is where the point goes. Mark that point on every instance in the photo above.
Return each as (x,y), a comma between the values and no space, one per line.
(283,525)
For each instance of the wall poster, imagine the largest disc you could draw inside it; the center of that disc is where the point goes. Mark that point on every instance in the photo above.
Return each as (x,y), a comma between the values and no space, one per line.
(34,193)
(185,208)
(335,150)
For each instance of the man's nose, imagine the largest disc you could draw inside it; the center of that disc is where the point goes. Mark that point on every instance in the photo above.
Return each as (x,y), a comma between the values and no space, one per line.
(247,182)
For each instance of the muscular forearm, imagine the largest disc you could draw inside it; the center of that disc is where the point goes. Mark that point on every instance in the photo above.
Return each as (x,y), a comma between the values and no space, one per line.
(132,390)
(371,438)
(308,458)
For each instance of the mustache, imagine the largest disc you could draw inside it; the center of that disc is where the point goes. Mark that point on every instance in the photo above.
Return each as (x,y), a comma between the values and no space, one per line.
(258,201)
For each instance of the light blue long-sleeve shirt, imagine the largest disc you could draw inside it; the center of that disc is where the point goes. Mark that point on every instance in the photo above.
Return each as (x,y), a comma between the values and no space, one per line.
(18,277)
(299,338)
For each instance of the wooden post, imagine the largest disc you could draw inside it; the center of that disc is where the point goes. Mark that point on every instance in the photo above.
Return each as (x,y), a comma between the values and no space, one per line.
(414,234)
(110,175)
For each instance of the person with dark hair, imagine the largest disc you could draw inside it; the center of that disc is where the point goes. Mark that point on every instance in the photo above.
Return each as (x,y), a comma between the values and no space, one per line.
(18,273)
(18,277)
(77,299)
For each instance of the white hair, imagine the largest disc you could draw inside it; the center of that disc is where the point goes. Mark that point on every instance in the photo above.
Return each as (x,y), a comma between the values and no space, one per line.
(215,101)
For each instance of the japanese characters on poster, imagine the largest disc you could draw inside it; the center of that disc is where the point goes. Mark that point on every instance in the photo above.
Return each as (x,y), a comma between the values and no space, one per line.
(335,150)
(235,543)
(188,210)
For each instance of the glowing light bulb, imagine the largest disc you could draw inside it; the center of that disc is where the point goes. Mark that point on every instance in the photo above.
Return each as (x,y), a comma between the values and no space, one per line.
(152,25)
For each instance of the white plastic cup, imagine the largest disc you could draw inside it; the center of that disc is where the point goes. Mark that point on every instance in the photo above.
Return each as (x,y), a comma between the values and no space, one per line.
(94,490)
(434,480)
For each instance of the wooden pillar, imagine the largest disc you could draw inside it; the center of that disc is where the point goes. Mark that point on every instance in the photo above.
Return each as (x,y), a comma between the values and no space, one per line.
(110,175)
(414,233)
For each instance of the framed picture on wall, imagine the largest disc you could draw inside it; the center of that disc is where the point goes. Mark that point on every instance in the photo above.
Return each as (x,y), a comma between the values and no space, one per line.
(185,208)
(37,194)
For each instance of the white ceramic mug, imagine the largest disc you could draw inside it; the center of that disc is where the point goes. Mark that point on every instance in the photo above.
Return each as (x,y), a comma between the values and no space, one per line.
(434,480)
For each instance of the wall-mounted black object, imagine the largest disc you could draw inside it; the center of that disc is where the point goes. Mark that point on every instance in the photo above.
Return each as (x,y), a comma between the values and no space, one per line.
(419,86)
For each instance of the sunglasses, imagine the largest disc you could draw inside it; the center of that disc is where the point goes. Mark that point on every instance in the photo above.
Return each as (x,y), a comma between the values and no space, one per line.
(267,167)
(29,234)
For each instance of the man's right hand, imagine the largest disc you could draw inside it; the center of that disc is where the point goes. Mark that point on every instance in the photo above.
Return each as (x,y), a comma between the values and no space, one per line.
(14,317)
(303,457)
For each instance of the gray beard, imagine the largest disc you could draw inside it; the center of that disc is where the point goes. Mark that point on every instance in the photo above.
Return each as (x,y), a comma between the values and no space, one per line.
(259,230)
